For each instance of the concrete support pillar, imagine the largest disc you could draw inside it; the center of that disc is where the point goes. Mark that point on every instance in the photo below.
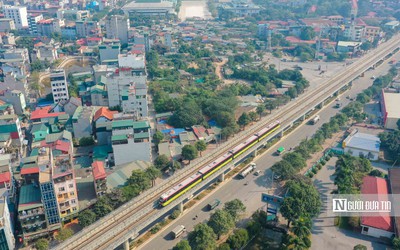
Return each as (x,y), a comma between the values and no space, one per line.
(126,245)
(303,118)
(281,133)
(255,153)
(222,177)
(180,207)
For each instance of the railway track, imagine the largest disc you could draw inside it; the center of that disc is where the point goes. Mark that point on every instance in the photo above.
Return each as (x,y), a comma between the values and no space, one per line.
(101,236)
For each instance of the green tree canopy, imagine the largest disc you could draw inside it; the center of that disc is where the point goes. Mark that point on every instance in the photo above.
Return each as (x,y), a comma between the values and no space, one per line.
(42,244)
(244,120)
(63,234)
(235,208)
(238,239)
(86,217)
(102,207)
(202,238)
(221,222)
(187,115)
(158,137)
(182,245)
(161,162)
(201,146)
(153,173)
(189,152)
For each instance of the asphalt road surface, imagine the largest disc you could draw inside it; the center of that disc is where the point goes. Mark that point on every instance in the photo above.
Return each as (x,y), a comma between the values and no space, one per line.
(250,194)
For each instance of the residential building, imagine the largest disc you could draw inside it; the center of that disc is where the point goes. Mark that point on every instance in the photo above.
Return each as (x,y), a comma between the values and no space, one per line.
(362,145)
(16,98)
(127,88)
(71,105)
(44,114)
(372,32)
(65,187)
(354,32)
(45,163)
(7,24)
(131,60)
(99,178)
(39,131)
(98,95)
(47,27)
(6,176)
(82,121)
(10,124)
(44,52)
(157,8)
(117,27)
(33,19)
(390,103)
(31,213)
(380,225)
(8,39)
(240,8)
(6,108)
(73,15)
(348,47)
(102,119)
(69,31)
(130,141)
(59,86)
(109,54)
(21,53)
(394,181)
(18,13)
(86,29)
(7,240)
(392,24)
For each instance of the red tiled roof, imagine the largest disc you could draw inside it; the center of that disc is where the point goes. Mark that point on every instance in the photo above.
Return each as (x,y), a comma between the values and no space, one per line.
(44,113)
(62,146)
(375,185)
(199,131)
(34,170)
(104,112)
(5,177)
(98,170)
(98,39)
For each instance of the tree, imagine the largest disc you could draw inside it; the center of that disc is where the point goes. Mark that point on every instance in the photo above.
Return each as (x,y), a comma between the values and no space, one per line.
(189,152)
(182,245)
(283,169)
(366,46)
(260,110)
(201,146)
(153,173)
(302,227)
(396,243)
(376,173)
(244,119)
(221,222)
(161,162)
(398,124)
(202,237)
(139,179)
(234,208)
(253,116)
(238,239)
(270,105)
(64,234)
(86,141)
(42,244)
(187,115)
(224,246)
(158,137)
(102,207)
(304,201)
(297,243)
(86,217)
(360,247)
(307,33)
(295,159)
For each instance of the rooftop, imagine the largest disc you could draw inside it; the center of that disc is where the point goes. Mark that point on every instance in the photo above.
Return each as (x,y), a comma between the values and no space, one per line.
(363,141)
(392,104)
(98,170)
(104,112)
(29,197)
(59,136)
(394,179)
(44,113)
(376,185)
(123,172)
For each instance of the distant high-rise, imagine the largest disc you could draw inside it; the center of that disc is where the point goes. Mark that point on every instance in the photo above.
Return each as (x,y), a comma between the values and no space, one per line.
(117,27)
(19,14)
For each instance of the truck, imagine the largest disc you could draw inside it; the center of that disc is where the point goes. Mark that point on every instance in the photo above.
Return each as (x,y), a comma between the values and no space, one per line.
(215,203)
(178,231)
(280,150)
(248,170)
(315,119)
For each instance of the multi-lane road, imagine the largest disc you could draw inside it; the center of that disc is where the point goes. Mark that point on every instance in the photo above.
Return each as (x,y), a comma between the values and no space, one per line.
(250,194)
(106,232)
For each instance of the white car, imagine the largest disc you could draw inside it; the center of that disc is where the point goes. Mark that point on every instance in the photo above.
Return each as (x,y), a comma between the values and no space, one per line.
(257,173)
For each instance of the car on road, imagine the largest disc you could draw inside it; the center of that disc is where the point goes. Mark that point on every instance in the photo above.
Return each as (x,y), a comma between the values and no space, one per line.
(280,151)
(373,77)
(215,203)
(297,67)
(257,173)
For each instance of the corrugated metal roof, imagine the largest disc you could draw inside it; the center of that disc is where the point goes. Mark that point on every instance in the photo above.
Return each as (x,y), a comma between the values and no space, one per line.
(364,142)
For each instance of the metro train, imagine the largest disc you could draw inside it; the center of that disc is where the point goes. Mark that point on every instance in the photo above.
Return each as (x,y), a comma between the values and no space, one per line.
(211,168)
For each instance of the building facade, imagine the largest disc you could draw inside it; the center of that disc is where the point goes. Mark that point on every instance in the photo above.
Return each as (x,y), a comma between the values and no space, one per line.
(19,14)
(390,103)
(7,240)
(7,24)
(59,87)
(117,27)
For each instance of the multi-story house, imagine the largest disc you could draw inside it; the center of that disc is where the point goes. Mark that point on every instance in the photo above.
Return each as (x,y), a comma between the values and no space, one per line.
(82,121)
(47,27)
(7,240)
(16,98)
(33,19)
(130,140)
(117,27)
(86,29)
(10,125)
(99,178)
(18,13)
(109,53)
(7,24)
(59,86)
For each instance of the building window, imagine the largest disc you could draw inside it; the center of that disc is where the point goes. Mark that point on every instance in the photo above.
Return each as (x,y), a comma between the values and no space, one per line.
(61,189)
(71,185)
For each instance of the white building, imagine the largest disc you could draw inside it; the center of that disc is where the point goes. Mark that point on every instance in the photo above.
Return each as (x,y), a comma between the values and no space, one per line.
(18,13)
(127,88)
(117,27)
(109,54)
(162,7)
(16,98)
(360,144)
(6,228)
(130,141)
(59,86)
(390,103)
(131,60)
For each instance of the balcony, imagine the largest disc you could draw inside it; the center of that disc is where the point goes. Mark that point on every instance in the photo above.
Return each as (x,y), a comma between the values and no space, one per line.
(30,213)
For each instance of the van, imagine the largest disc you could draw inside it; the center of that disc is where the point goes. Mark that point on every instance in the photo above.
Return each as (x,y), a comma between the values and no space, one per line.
(215,203)
(178,231)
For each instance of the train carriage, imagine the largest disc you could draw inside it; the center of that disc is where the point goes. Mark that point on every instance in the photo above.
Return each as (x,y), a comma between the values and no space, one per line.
(180,189)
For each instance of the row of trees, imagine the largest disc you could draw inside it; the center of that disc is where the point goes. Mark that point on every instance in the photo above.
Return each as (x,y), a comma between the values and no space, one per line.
(204,235)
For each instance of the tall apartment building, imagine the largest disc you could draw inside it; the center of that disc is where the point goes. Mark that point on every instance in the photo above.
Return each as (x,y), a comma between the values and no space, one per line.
(87,28)
(10,124)
(109,54)
(7,240)
(117,27)
(127,88)
(33,19)
(18,13)
(59,86)
(16,98)
(63,177)
(47,27)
